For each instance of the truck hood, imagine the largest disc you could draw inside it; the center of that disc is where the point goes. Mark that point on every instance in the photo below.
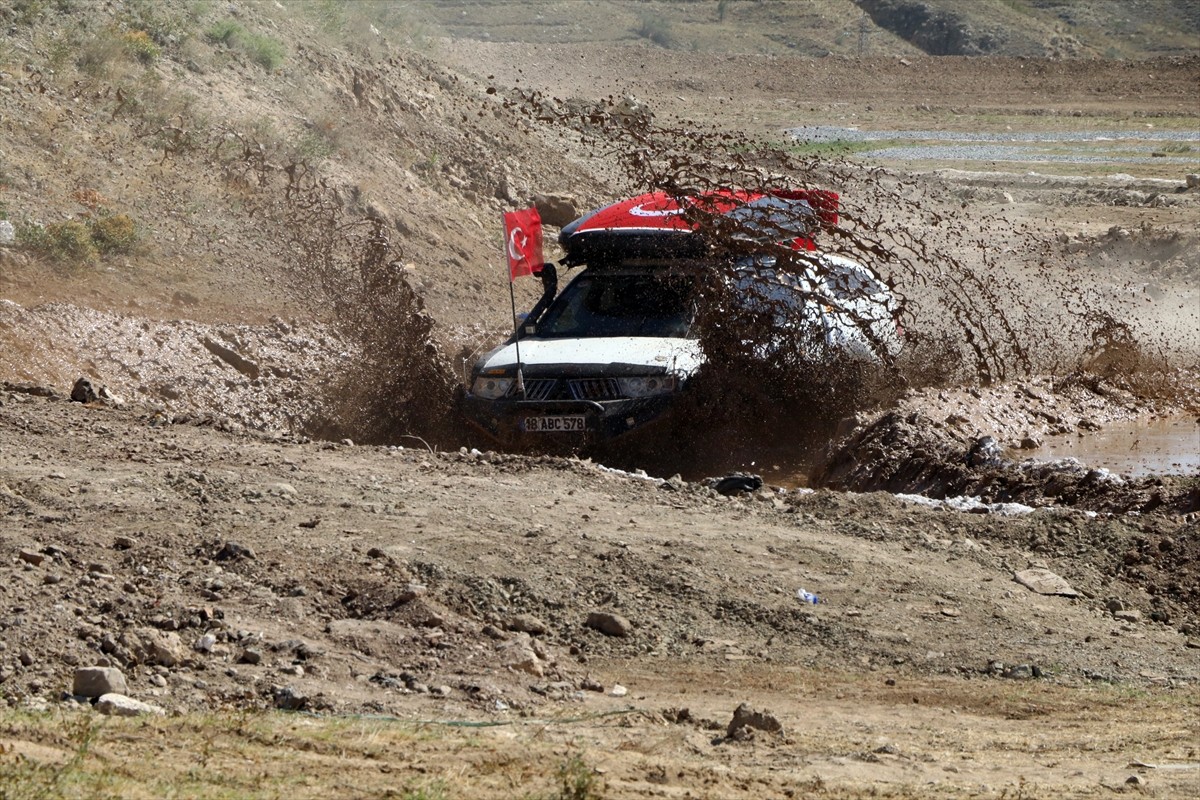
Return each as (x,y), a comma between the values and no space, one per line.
(681,356)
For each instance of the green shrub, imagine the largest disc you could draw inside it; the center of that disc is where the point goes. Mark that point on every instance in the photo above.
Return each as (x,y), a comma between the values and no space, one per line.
(262,50)
(225,32)
(80,242)
(67,242)
(139,45)
(113,233)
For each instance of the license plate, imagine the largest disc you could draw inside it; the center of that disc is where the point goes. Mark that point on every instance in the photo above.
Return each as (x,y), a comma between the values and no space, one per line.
(556,424)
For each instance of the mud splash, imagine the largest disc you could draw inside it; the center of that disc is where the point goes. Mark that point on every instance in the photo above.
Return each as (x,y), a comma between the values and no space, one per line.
(981,304)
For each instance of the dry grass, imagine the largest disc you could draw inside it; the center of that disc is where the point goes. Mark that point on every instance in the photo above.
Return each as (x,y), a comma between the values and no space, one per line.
(1016,727)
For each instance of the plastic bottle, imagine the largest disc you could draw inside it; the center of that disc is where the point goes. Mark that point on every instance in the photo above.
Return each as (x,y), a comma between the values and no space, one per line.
(805,596)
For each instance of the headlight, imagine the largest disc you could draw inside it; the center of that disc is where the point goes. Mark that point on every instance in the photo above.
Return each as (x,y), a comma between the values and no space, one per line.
(491,388)
(647,386)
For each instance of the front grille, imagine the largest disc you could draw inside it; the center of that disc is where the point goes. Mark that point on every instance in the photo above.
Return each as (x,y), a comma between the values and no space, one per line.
(594,389)
(537,389)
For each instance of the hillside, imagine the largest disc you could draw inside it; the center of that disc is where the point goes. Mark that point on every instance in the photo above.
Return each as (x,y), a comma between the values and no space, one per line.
(1031,28)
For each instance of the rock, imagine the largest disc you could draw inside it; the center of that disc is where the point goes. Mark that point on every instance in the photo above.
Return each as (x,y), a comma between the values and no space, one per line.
(1043,581)
(1020,672)
(1114,605)
(1128,615)
(123,543)
(558,210)
(1193,181)
(518,654)
(288,698)
(118,705)
(735,484)
(82,391)
(618,691)
(31,557)
(1137,781)
(232,358)
(205,643)
(155,647)
(8,233)
(410,592)
(527,623)
(93,682)
(251,655)
(591,685)
(746,717)
(232,551)
(986,452)
(609,624)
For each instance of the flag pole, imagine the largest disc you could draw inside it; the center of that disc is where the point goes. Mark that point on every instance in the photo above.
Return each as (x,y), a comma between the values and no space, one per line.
(512,295)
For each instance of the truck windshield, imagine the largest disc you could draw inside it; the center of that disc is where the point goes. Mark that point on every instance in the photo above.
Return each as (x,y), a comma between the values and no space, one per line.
(615,304)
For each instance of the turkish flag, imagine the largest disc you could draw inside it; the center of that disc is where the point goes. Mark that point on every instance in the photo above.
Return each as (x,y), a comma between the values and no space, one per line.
(523,242)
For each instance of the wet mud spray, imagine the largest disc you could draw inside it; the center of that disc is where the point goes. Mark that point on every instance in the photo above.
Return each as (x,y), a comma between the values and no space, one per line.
(980,304)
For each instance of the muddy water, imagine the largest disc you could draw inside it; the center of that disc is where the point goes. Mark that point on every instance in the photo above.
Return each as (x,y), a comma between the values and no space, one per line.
(1163,446)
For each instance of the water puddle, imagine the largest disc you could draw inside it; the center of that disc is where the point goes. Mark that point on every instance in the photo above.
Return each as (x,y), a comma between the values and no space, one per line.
(1163,446)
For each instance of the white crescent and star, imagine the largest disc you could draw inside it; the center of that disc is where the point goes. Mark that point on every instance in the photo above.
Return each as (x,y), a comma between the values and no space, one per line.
(516,249)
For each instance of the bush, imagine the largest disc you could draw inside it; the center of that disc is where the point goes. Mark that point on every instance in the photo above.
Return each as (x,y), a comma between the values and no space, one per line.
(225,32)
(139,45)
(113,233)
(67,242)
(80,241)
(262,50)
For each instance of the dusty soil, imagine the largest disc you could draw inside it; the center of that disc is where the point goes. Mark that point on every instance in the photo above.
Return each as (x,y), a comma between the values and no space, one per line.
(188,530)
(419,585)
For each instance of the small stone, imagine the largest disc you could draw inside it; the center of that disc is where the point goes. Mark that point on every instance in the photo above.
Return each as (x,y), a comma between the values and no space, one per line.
(1136,781)
(1114,605)
(1020,672)
(746,717)
(609,624)
(205,643)
(410,592)
(158,680)
(289,698)
(26,659)
(527,623)
(31,557)
(518,654)
(591,685)
(251,655)
(1128,615)
(123,543)
(83,392)
(618,691)
(94,682)
(1192,644)
(442,691)
(1043,581)
(118,705)
(232,551)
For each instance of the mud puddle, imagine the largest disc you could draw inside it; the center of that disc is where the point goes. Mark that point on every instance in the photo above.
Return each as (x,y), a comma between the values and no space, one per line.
(1137,448)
